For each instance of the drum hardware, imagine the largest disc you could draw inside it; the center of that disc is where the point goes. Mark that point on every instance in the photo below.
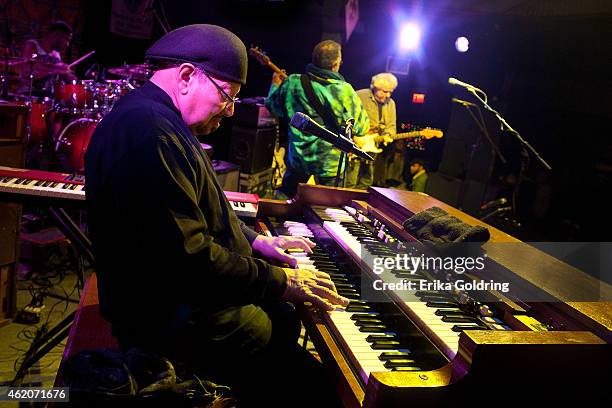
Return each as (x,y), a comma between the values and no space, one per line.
(138,72)
(5,77)
(72,143)
(60,124)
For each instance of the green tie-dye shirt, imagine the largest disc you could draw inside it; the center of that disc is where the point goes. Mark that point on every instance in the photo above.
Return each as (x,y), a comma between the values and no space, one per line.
(306,152)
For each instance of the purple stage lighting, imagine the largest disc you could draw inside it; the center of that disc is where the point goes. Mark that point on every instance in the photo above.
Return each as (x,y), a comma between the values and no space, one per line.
(410,37)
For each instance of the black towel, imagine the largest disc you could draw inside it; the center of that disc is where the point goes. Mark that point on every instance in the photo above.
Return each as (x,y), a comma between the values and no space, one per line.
(434,225)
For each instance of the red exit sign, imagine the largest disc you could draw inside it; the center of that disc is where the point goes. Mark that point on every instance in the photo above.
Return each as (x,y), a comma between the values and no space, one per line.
(418,98)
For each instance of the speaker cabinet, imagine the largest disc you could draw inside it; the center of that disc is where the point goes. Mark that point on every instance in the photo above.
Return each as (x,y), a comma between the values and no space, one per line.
(468,153)
(228,174)
(466,195)
(467,161)
(253,149)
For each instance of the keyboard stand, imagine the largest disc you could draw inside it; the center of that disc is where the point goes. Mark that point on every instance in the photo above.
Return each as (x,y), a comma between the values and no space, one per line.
(45,340)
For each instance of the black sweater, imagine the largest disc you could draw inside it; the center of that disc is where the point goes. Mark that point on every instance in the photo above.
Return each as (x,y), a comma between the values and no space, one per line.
(167,243)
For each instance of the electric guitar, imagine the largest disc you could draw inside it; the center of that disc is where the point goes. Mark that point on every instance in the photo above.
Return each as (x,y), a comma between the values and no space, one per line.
(278,161)
(264,60)
(369,143)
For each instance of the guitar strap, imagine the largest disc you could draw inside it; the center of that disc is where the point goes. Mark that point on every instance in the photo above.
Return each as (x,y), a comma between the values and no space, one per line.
(328,118)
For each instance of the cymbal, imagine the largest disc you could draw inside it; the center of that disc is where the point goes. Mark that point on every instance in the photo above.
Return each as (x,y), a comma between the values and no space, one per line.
(52,67)
(131,70)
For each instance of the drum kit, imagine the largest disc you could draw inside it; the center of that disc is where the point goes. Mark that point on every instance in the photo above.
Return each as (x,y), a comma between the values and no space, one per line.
(64,115)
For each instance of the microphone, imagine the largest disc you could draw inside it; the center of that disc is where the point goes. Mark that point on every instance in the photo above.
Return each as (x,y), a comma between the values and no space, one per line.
(304,123)
(456,82)
(494,203)
(495,212)
(462,102)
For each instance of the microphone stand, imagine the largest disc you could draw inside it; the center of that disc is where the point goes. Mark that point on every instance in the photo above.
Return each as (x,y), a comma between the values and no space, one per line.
(525,146)
(337,182)
(343,141)
(483,129)
(348,135)
(9,50)
(507,127)
(163,23)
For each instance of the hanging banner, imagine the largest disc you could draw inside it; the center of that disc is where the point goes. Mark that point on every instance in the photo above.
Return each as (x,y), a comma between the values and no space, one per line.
(351,17)
(132,18)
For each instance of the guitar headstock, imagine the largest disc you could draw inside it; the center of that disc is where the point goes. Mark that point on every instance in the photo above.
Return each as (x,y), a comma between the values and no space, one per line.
(259,55)
(430,133)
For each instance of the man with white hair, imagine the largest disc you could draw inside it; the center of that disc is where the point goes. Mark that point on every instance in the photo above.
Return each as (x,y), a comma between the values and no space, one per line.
(381,111)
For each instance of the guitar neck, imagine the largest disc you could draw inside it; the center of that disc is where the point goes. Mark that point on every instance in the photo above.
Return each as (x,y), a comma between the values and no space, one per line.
(399,136)
(265,60)
(276,69)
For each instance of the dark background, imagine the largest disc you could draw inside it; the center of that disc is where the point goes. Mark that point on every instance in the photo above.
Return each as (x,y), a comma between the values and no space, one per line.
(545,66)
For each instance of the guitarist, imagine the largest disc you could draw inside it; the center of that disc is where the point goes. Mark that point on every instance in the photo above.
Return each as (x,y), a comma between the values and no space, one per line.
(323,94)
(381,111)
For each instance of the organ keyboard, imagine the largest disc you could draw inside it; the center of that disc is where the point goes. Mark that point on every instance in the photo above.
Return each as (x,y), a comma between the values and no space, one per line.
(36,183)
(433,347)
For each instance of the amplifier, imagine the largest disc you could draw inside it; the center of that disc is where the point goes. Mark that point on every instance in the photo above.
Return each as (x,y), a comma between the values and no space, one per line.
(253,149)
(259,183)
(228,174)
(253,115)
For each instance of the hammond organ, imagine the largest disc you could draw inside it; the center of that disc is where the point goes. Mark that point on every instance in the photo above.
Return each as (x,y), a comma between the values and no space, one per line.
(437,347)
(432,348)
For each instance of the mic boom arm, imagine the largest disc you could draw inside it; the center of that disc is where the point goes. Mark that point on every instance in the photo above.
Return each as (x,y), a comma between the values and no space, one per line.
(306,124)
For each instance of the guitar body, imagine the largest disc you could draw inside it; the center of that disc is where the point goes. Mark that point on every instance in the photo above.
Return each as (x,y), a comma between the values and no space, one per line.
(279,166)
(367,143)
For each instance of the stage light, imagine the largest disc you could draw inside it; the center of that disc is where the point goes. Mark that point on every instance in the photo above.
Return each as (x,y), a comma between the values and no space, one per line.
(410,36)
(462,44)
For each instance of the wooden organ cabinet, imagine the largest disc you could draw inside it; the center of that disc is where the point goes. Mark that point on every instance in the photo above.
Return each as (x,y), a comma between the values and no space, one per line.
(437,348)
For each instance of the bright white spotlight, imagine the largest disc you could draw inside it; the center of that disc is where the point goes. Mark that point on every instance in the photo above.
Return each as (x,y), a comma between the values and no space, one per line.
(462,44)
(410,36)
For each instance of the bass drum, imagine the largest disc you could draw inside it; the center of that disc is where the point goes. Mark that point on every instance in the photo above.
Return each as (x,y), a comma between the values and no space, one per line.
(72,144)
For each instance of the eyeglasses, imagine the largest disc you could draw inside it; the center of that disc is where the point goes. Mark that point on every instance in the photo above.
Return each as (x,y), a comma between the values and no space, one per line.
(230,101)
